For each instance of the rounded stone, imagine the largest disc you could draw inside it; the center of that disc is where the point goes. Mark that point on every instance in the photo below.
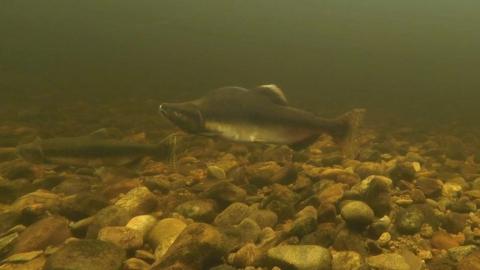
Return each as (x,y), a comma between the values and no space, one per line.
(357,213)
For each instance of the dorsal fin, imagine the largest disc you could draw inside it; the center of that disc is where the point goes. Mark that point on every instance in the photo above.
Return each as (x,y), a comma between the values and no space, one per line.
(273,92)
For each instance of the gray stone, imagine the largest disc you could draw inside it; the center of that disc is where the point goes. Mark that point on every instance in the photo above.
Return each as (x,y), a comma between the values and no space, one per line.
(87,255)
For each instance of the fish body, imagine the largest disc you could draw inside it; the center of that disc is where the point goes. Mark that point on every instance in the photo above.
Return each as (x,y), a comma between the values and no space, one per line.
(257,115)
(87,150)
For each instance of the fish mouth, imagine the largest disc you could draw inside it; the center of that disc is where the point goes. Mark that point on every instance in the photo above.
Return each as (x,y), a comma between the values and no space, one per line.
(170,112)
(162,109)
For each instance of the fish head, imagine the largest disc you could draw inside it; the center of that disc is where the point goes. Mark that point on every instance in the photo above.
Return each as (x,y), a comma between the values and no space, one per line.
(186,116)
(31,152)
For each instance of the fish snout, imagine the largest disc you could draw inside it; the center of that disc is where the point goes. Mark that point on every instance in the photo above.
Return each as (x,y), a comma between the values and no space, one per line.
(162,109)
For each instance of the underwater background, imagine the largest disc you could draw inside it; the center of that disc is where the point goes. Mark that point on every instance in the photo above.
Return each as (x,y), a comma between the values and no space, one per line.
(412,59)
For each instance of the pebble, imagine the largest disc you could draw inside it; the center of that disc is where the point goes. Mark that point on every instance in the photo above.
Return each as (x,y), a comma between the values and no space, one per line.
(135,264)
(305,222)
(8,219)
(443,240)
(216,172)
(410,220)
(49,231)
(451,190)
(202,210)
(454,222)
(142,223)
(38,201)
(384,239)
(431,187)
(233,214)
(357,213)
(138,201)
(34,264)
(366,169)
(470,262)
(264,218)
(249,254)
(109,216)
(263,173)
(198,247)
(460,252)
(82,205)
(332,194)
(388,261)
(124,237)
(236,236)
(7,242)
(350,240)
(377,194)
(302,257)
(164,233)
(340,176)
(226,192)
(403,171)
(279,154)
(347,260)
(23,257)
(87,255)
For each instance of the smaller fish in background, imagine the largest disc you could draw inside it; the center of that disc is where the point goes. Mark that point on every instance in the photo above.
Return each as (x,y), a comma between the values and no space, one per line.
(92,150)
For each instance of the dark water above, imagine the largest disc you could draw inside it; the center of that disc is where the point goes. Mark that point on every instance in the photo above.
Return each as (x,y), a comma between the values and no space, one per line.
(413,59)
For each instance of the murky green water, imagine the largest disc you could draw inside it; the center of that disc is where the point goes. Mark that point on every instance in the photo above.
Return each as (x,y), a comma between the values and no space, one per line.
(400,191)
(411,58)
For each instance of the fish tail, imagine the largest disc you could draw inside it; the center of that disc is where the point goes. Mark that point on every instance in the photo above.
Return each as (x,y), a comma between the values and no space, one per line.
(352,122)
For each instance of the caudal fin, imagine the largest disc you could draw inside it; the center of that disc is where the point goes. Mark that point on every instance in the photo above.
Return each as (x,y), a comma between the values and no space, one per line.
(349,139)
